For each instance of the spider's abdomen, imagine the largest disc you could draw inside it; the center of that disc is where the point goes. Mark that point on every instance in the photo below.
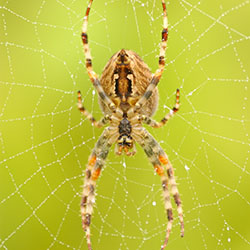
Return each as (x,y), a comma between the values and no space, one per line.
(125,79)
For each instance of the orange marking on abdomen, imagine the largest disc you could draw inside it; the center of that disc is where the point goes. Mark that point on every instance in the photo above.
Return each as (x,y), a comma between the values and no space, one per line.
(163,160)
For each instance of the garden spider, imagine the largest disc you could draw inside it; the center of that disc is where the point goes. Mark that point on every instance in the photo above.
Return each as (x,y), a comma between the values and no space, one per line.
(128,97)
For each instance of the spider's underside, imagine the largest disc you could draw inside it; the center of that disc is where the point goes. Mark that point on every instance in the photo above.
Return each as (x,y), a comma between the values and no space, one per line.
(128,97)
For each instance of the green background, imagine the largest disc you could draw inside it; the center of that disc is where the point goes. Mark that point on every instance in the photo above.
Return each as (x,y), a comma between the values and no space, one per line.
(45,141)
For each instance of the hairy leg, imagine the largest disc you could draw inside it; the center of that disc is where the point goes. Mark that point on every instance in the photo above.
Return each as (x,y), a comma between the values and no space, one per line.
(149,121)
(158,157)
(158,73)
(89,116)
(93,170)
(88,62)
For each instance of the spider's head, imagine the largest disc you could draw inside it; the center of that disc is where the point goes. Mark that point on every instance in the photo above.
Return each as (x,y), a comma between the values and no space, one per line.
(125,143)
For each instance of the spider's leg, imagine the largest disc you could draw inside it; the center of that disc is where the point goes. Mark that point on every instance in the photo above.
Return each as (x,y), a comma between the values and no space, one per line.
(149,121)
(158,73)
(170,171)
(88,58)
(157,156)
(163,41)
(89,116)
(149,145)
(95,164)
(88,62)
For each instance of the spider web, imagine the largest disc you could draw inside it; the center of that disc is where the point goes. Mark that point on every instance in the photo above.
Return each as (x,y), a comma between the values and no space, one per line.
(45,142)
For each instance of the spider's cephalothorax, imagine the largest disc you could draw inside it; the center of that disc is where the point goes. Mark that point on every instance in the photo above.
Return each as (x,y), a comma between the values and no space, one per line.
(125,141)
(128,97)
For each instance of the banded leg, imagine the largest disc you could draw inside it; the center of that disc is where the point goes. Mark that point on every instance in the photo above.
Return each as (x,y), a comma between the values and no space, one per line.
(157,157)
(157,75)
(88,58)
(95,164)
(149,121)
(88,62)
(89,116)
(174,190)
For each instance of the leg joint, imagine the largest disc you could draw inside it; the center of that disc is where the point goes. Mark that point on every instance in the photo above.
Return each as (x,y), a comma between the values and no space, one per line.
(170,214)
(87,220)
(84,38)
(164,34)
(162,60)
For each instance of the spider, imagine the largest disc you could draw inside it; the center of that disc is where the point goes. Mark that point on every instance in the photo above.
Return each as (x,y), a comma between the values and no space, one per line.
(128,97)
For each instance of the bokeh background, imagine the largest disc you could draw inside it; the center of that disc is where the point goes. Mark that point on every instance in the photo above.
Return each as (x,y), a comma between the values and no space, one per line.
(45,141)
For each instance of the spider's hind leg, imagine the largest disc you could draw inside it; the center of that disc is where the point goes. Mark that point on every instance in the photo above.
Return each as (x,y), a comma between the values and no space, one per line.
(161,65)
(88,62)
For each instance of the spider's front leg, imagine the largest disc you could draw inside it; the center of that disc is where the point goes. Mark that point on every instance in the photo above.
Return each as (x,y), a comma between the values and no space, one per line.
(95,164)
(158,157)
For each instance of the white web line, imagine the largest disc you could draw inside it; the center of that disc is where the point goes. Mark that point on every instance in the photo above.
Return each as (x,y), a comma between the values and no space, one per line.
(70,147)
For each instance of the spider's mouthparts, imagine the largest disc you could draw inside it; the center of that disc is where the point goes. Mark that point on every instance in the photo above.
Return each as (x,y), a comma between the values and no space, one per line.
(125,141)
